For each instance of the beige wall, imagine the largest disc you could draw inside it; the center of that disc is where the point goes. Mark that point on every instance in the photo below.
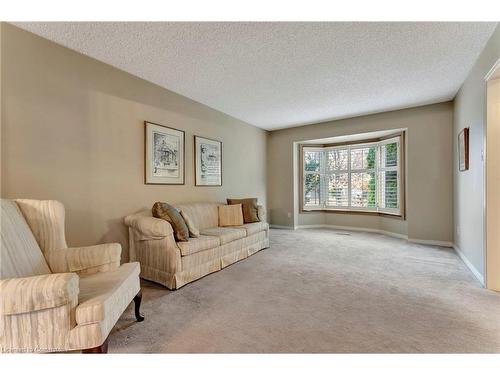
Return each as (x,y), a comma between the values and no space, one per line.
(470,111)
(429,172)
(492,190)
(72,130)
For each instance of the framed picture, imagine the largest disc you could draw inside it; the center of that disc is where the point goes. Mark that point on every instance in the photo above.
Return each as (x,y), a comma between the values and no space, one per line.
(164,155)
(463,150)
(207,162)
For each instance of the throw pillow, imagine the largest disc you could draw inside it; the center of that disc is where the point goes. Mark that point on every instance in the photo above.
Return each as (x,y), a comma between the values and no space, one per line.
(166,212)
(193,231)
(230,215)
(250,210)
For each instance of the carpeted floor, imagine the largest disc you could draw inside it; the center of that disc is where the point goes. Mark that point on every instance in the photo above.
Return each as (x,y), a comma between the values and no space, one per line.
(320,290)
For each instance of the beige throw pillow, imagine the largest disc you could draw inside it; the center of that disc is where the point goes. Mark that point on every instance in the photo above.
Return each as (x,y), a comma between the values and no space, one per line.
(230,215)
(193,231)
(250,209)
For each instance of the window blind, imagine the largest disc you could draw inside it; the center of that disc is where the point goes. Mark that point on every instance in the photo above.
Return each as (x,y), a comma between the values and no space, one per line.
(357,177)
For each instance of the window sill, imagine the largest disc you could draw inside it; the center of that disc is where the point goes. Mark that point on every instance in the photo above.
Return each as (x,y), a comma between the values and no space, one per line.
(353,212)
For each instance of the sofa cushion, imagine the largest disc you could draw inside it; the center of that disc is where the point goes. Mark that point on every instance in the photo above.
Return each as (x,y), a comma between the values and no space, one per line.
(253,228)
(195,245)
(193,230)
(203,215)
(19,252)
(225,234)
(105,295)
(230,215)
(169,213)
(250,209)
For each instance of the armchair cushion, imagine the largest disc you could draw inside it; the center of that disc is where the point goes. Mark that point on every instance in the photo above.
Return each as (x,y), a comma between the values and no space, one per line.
(29,294)
(104,296)
(20,255)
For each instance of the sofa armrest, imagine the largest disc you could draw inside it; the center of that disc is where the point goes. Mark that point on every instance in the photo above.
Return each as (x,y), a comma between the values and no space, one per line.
(148,227)
(261,213)
(30,294)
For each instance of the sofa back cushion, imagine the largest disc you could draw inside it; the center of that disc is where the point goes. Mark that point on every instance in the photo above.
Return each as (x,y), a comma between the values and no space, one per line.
(203,215)
(19,252)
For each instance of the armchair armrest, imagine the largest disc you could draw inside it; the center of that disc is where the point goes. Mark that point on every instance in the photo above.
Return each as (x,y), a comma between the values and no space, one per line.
(86,260)
(29,294)
(261,213)
(148,227)
(83,258)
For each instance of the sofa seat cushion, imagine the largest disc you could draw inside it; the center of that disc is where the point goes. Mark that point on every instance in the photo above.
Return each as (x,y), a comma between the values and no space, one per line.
(104,296)
(195,245)
(253,228)
(225,234)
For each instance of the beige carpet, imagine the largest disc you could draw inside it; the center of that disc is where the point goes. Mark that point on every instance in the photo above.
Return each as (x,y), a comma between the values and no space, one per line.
(322,291)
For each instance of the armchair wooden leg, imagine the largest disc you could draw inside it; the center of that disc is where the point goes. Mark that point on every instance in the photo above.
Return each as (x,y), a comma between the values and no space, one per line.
(103,349)
(137,303)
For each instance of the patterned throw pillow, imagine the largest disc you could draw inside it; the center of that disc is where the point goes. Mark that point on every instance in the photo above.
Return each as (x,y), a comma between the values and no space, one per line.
(250,210)
(166,212)
(193,231)
(230,215)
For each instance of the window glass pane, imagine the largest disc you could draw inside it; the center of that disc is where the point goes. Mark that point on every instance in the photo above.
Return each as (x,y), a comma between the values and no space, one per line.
(389,155)
(389,189)
(312,161)
(363,158)
(338,189)
(311,190)
(363,189)
(337,160)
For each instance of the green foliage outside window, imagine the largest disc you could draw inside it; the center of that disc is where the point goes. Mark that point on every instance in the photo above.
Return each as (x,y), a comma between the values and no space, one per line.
(312,181)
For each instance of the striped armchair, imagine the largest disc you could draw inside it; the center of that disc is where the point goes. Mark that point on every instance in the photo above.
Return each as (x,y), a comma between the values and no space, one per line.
(54,298)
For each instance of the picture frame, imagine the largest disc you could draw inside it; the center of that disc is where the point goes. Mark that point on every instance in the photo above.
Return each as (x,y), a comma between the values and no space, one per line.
(207,161)
(164,155)
(463,150)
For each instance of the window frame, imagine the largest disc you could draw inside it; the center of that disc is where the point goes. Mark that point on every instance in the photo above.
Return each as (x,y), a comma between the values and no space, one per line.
(388,212)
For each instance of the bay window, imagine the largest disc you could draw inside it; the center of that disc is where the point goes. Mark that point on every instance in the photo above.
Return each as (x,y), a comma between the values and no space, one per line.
(358,177)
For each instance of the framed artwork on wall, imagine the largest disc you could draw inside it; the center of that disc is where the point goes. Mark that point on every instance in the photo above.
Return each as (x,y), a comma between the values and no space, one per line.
(207,162)
(463,150)
(164,155)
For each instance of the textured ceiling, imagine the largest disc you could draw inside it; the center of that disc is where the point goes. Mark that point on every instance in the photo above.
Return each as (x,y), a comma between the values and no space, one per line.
(276,75)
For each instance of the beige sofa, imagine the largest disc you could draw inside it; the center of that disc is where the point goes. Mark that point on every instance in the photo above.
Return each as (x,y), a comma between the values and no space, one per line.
(54,298)
(174,264)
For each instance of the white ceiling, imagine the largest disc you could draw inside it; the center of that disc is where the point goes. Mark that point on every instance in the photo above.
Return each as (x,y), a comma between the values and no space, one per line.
(275,75)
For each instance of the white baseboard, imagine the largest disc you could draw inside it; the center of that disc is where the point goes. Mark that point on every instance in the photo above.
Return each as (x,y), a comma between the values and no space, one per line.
(431,242)
(280,227)
(469,265)
(354,229)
